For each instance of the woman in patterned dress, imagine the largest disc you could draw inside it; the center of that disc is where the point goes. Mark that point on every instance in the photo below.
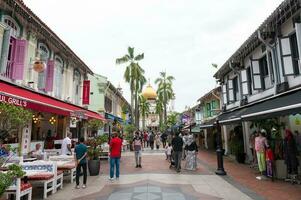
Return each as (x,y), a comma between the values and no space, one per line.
(192,150)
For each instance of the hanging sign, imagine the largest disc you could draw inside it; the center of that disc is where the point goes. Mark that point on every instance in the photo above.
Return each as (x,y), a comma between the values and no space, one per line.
(86,92)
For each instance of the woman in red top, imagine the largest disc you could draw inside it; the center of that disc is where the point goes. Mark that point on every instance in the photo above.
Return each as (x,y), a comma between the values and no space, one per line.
(115,154)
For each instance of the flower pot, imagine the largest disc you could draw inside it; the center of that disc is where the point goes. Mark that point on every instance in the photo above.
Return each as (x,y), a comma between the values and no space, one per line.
(94,166)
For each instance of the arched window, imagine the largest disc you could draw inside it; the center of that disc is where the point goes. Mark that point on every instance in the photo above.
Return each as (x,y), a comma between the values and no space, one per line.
(59,67)
(44,55)
(76,86)
(10,22)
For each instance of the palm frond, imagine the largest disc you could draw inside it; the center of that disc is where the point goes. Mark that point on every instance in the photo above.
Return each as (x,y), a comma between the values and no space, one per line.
(139,57)
(122,60)
(131,52)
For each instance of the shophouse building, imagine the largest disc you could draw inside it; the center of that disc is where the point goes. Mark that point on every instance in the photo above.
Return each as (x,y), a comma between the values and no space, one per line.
(39,70)
(262,80)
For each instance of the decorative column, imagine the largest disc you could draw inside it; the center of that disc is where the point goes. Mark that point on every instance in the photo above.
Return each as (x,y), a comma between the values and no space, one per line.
(205,134)
(246,135)
(225,133)
(26,138)
(219,152)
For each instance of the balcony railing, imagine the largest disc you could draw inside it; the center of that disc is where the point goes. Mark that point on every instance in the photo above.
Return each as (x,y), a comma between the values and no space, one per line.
(9,70)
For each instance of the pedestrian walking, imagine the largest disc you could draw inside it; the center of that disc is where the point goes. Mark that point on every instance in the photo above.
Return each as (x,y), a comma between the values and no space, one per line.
(168,151)
(115,154)
(145,139)
(164,139)
(191,150)
(81,161)
(66,145)
(138,147)
(151,140)
(157,141)
(185,140)
(177,146)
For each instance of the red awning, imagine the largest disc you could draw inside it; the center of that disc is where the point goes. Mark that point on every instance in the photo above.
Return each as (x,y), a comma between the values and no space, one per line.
(43,103)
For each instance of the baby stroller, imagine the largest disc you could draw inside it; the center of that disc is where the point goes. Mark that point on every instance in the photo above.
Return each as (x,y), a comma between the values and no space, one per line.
(172,160)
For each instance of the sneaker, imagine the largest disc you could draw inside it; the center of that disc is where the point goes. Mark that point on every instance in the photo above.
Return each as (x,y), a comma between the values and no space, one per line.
(111,179)
(77,187)
(117,178)
(140,166)
(84,186)
(137,166)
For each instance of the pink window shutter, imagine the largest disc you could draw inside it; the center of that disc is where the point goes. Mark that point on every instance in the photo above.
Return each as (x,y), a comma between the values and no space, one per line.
(49,76)
(19,59)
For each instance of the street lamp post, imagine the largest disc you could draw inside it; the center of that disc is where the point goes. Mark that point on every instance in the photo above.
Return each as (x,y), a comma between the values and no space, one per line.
(219,152)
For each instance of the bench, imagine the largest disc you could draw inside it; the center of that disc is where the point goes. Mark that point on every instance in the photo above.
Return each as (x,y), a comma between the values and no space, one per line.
(66,164)
(42,173)
(19,189)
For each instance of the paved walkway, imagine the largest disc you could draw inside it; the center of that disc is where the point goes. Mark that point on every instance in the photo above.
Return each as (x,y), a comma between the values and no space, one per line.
(155,181)
(243,178)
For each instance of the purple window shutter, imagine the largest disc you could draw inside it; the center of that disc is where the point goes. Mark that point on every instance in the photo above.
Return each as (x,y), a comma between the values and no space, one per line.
(49,76)
(19,59)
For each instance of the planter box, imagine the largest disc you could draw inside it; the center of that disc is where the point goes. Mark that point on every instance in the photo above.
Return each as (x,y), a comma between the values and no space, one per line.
(281,171)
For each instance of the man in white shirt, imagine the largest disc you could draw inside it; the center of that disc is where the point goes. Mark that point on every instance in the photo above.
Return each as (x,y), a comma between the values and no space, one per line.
(66,145)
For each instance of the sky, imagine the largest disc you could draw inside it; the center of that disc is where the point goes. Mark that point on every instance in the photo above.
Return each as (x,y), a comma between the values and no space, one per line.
(181,37)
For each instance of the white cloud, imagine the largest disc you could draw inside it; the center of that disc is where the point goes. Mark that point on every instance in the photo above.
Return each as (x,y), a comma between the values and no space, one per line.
(182,37)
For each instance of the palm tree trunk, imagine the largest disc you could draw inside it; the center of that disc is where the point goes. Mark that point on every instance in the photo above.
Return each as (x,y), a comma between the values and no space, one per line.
(136,110)
(165,106)
(143,122)
(132,107)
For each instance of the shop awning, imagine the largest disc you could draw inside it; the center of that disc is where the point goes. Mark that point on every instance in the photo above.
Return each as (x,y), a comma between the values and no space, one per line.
(286,104)
(231,116)
(30,99)
(208,124)
(113,117)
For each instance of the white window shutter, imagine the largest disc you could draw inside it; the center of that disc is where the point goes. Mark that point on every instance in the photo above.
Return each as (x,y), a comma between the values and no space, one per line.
(4,51)
(257,81)
(244,82)
(224,88)
(230,90)
(286,55)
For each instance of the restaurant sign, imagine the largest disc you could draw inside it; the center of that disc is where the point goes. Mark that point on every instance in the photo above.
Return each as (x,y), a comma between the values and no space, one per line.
(13,101)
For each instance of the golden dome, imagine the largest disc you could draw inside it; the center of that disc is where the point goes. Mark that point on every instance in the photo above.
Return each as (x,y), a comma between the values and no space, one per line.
(149,93)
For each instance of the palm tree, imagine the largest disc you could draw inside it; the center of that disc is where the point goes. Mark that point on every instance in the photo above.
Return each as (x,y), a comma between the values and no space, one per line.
(165,90)
(131,72)
(144,109)
(159,109)
(140,81)
(172,119)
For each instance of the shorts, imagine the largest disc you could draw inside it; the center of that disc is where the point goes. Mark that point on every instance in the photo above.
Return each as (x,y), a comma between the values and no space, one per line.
(138,153)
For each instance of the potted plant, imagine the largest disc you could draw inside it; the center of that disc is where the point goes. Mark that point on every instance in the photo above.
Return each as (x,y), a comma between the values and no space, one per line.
(6,179)
(94,151)
(129,134)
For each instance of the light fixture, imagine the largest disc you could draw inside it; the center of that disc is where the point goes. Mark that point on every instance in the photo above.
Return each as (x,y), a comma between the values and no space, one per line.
(39,66)
(52,120)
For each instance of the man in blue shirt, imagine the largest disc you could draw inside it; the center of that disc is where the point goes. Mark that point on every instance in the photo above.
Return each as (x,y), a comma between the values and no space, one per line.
(81,161)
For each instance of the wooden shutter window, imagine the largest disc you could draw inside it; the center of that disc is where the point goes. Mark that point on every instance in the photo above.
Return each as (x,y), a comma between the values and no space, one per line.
(257,79)
(4,50)
(286,56)
(244,82)
(49,76)
(230,90)
(298,34)
(19,59)
(224,88)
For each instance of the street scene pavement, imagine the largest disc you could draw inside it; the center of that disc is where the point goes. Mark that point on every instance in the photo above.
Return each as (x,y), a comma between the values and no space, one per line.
(155,181)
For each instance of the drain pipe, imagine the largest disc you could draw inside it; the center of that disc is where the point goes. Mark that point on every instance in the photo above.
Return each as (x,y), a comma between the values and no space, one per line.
(274,54)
